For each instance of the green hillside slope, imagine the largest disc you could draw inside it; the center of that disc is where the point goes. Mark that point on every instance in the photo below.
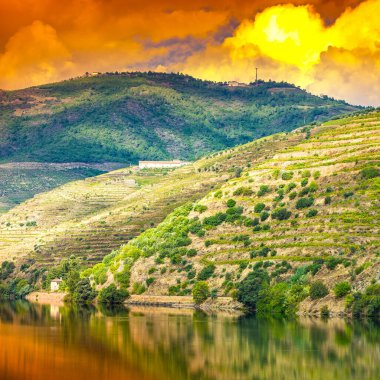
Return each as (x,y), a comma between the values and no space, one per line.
(309,212)
(127,117)
(92,217)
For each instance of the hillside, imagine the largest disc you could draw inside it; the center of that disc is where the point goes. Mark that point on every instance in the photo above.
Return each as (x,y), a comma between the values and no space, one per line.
(132,116)
(21,181)
(90,218)
(308,212)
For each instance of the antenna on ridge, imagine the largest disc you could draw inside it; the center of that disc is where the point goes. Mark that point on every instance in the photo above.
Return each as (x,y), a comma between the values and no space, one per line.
(257,69)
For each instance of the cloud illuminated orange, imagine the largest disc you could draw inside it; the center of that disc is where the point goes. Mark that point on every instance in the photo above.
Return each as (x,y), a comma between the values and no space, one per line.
(326,46)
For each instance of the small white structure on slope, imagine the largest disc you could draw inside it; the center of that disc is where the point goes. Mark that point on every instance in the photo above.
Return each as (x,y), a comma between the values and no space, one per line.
(54,284)
(161,164)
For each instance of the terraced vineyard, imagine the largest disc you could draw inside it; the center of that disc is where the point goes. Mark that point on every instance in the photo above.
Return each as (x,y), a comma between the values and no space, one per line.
(310,207)
(20,181)
(90,218)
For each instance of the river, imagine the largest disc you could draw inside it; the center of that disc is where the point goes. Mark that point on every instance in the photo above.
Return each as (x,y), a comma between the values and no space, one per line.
(43,342)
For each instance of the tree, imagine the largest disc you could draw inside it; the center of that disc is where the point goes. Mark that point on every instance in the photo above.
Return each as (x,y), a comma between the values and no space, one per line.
(201,292)
(84,293)
(112,296)
(318,290)
(72,280)
(341,289)
(248,290)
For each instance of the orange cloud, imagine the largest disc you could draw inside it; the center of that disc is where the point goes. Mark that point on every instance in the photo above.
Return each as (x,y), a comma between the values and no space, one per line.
(312,43)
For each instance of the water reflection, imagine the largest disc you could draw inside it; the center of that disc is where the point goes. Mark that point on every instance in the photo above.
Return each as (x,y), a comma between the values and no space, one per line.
(50,342)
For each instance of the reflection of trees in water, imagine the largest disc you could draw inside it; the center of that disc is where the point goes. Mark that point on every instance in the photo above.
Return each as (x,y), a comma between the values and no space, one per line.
(174,344)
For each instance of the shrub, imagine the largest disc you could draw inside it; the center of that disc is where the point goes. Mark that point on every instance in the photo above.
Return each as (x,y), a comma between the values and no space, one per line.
(264,216)
(264,189)
(149,281)
(313,187)
(112,296)
(245,191)
(318,290)
(327,200)
(200,292)
(325,312)
(304,203)
(281,214)
(231,203)
(218,194)
(214,220)
(138,288)
(286,176)
(311,213)
(233,214)
(292,195)
(348,194)
(191,252)
(369,173)
(306,174)
(290,187)
(200,208)
(304,182)
(259,207)
(316,174)
(341,289)
(206,272)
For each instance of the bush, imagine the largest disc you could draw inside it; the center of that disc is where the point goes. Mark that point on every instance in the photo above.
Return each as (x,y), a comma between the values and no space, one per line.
(292,195)
(206,272)
(231,203)
(369,173)
(245,191)
(304,203)
(200,208)
(7,268)
(264,189)
(286,176)
(341,289)
(281,214)
(214,220)
(112,296)
(318,290)
(311,213)
(259,207)
(200,292)
(304,182)
(138,288)
(306,174)
(233,214)
(327,200)
(290,187)
(264,216)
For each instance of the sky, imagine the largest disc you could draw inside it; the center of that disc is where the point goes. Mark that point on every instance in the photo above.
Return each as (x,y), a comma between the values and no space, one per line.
(327,47)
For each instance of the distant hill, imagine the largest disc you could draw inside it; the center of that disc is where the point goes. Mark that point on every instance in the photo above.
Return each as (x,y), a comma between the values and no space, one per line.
(127,117)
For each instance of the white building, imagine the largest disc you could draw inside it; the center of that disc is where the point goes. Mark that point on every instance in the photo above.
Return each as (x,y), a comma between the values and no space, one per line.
(54,284)
(161,164)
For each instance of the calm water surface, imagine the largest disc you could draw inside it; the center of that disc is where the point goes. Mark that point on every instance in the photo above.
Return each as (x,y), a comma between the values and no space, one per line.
(49,342)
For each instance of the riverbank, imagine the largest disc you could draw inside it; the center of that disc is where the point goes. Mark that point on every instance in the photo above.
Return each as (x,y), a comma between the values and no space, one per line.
(46,298)
(178,302)
(185,302)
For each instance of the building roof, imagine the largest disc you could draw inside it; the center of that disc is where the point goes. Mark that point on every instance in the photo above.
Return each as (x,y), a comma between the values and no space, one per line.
(162,162)
(57,280)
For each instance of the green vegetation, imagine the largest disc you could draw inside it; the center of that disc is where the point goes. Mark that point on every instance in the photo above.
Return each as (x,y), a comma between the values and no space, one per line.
(318,290)
(201,292)
(75,120)
(341,289)
(112,296)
